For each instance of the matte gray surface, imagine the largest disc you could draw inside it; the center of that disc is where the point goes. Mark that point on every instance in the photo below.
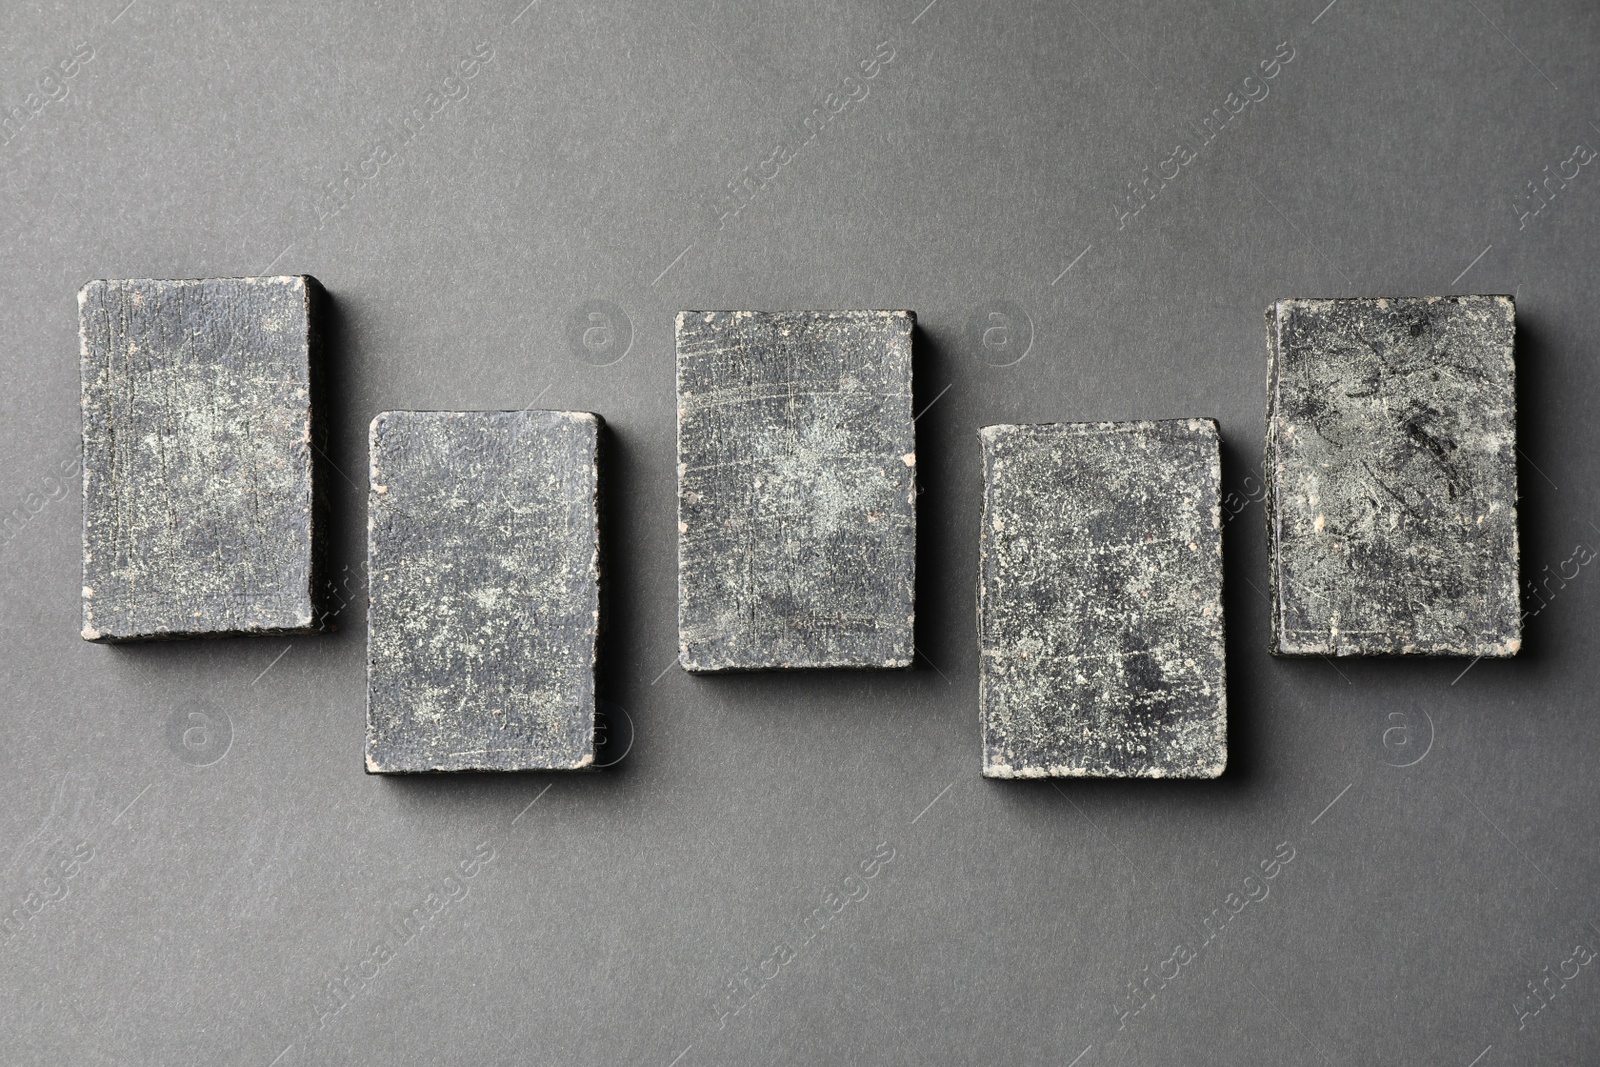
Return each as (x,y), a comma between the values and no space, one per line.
(1100,601)
(199,475)
(797,523)
(585,162)
(1391,474)
(484,611)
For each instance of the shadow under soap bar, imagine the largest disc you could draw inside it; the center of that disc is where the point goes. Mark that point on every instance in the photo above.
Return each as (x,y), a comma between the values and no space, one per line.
(483,622)
(199,503)
(1100,601)
(796,490)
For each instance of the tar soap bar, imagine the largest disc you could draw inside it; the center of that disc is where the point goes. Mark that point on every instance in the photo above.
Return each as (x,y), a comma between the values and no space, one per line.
(1391,477)
(483,555)
(796,490)
(1100,601)
(200,515)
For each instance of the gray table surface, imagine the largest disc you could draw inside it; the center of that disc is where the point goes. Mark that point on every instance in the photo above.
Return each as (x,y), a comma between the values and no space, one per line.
(232,862)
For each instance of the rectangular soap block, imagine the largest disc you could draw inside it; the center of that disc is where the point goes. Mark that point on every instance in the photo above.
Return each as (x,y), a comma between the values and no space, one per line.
(200,510)
(483,550)
(1392,477)
(1100,601)
(796,490)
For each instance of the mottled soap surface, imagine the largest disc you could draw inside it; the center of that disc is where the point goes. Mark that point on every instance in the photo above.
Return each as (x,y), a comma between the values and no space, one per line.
(1100,601)
(1392,477)
(483,555)
(199,514)
(796,489)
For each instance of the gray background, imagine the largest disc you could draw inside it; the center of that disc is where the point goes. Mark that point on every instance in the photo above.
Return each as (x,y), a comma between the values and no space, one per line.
(240,859)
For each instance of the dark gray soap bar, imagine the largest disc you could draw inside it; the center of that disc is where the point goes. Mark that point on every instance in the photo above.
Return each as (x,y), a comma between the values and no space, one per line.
(199,480)
(1392,478)
(1100,601)
(796,490)
(483,559)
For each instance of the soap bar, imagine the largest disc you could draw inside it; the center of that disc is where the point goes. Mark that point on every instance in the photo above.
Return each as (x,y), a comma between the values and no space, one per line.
(1392,477)
(483,559)
(1100,601)
(200,480)
(796,490)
